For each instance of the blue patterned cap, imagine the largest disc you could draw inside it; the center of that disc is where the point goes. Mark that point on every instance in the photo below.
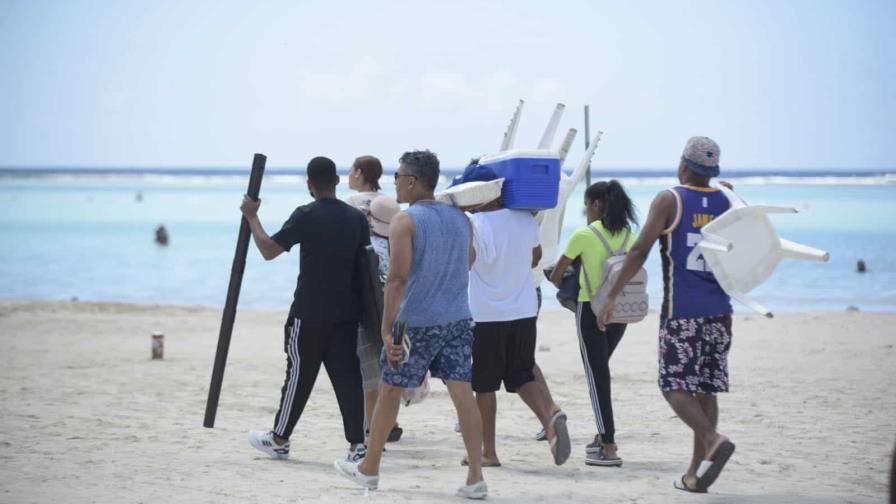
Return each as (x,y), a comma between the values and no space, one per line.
(701,155)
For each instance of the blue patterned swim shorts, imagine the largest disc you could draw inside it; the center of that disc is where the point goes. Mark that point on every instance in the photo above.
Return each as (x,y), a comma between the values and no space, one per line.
(445,350)
(693,354)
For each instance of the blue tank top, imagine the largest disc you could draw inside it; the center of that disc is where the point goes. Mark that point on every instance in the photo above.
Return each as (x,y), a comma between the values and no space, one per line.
(690,290)
(437,285)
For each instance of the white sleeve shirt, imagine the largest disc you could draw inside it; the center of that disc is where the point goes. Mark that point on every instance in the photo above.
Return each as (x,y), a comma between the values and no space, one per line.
(501,286)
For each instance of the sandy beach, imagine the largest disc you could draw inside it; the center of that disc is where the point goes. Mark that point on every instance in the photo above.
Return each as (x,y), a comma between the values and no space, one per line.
(87,416)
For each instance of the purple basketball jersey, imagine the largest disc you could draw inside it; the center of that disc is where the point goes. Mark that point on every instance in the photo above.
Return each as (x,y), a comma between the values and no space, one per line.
(690,290)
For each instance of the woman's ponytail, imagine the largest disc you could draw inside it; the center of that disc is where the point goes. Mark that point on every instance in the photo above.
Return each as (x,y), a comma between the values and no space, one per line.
(618,211)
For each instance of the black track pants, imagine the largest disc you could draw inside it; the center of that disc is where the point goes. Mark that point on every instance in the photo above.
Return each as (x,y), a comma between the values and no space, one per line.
(597,346)
(308,345)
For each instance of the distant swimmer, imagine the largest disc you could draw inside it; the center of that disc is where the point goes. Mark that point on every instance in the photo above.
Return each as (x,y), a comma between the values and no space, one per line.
(322,326)
(162,236)
(139,197)
(695,319)
(860,266)
(426,292)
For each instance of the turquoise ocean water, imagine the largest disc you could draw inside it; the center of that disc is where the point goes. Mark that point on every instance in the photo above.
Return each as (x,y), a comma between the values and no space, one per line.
(85,235)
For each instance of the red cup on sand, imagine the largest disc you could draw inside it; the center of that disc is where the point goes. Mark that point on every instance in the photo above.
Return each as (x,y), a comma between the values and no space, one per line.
(158,345)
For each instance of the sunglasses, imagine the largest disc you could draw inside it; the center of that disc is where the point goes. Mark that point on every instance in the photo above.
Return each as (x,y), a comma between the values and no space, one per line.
(397,175)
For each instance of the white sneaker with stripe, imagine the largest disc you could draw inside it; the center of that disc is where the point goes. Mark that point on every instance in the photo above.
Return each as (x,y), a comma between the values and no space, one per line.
(263,441)
(476,491)
(356,454)
(349,471)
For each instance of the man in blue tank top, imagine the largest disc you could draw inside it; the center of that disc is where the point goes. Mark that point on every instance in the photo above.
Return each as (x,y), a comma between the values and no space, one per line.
(431,253)
(695,320)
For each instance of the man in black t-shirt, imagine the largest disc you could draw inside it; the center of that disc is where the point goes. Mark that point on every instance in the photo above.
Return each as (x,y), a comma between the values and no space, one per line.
(322,327)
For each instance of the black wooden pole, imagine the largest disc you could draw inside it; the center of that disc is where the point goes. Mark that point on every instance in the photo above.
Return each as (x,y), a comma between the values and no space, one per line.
(233,295)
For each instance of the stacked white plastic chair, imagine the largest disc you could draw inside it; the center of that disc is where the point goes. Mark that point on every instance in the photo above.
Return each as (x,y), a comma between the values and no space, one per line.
(470,194)
(550,221)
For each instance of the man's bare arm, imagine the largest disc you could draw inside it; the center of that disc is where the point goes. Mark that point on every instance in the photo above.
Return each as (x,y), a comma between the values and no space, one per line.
(536,256)
(269,248)
(401,247)
(557,274)
(660,217)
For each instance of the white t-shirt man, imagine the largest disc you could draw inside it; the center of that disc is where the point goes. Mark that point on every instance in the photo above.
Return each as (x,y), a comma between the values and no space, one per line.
(501,286)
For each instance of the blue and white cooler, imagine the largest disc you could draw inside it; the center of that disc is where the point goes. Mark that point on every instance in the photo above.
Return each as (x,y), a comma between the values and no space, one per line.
(531,177)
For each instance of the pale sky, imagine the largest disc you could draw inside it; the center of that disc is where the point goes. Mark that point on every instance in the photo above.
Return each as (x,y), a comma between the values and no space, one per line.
(207,83)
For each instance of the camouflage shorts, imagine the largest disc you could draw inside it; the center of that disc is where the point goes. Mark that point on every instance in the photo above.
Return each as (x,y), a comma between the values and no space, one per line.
(693,354)
(446,351)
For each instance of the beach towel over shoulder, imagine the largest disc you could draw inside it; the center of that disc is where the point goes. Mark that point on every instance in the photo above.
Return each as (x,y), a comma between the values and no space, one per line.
(631,304)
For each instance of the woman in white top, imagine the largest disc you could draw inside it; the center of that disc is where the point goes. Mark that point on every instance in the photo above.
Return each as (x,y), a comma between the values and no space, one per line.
(364,178)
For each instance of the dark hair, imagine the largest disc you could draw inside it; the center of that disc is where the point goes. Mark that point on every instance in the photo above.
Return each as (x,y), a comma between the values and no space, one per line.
(424,165)
(618,209)
(321,172)
(371,170)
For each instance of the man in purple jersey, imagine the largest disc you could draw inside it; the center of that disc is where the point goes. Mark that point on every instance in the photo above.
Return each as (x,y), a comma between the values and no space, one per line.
(695,320)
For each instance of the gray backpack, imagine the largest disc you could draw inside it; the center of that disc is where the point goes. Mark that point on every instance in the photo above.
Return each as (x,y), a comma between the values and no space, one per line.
(631,304)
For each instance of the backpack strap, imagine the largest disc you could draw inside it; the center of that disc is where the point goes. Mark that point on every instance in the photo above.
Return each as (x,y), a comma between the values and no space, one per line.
(603,240)
(607,246)
(624,246)
(587,281)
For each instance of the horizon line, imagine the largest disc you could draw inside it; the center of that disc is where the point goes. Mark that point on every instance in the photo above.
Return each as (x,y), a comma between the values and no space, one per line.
(292,168)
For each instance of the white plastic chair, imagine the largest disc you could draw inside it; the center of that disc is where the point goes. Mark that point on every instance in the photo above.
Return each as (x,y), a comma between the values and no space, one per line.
(742,248)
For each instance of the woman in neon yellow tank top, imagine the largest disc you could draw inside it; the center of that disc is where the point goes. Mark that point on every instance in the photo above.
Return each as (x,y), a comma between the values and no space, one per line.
(611,213)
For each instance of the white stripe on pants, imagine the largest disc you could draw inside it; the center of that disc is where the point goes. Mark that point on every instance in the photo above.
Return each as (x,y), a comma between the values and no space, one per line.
(592,387)
(292,350)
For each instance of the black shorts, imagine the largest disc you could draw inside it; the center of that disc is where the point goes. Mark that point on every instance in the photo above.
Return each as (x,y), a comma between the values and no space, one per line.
(503,351)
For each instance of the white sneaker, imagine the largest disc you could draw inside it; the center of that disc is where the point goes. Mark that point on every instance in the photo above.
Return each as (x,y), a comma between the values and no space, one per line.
(476,491)
(263,441)
(349,471)
(356,454)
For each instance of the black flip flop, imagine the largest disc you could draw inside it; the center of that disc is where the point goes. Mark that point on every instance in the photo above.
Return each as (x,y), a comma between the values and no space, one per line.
(716,463)
(394,434)
(464,462)
(681,485)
